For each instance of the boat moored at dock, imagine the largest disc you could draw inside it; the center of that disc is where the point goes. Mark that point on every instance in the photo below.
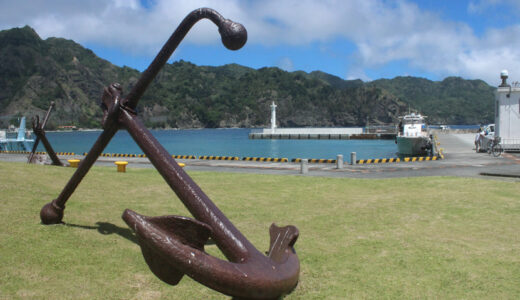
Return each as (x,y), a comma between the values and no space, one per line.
(22,142)
(413,138)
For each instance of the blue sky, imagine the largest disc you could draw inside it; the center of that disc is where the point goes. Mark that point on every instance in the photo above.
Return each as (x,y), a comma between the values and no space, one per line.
(366,39)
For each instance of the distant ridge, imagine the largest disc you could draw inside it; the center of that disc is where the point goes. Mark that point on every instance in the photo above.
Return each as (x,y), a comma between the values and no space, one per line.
(34,71)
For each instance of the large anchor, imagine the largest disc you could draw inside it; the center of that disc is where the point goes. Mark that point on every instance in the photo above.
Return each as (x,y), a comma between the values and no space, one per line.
(174,245)
(38,129)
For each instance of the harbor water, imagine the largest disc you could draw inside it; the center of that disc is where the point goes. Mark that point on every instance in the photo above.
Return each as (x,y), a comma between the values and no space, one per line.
(225,142)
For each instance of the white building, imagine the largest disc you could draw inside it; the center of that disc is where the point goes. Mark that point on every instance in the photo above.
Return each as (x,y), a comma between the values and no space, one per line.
(507,114)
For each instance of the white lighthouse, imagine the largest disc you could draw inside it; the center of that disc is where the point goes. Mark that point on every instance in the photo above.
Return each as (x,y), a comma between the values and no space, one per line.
(273,117)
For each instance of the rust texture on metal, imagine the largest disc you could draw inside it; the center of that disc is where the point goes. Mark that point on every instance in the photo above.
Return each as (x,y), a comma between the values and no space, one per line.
(38,129)
(174,245)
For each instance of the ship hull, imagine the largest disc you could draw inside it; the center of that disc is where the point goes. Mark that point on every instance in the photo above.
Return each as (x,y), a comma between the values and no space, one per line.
(8,145)
(412,146)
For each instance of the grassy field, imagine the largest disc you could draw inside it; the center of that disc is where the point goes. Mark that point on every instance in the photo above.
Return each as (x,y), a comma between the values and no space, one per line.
(443,238)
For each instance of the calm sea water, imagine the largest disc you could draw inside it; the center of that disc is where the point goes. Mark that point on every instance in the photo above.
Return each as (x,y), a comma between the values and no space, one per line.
(225,142)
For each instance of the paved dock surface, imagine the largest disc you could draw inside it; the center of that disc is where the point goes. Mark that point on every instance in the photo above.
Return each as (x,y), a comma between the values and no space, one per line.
(459,152)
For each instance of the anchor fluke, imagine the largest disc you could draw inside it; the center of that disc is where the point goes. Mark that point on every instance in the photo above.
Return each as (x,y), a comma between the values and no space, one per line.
(282,241)
(173,246)
(172,230)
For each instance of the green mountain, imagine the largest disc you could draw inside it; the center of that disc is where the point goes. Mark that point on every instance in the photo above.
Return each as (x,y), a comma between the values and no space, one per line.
(451,101)
(186,95)
(34,72)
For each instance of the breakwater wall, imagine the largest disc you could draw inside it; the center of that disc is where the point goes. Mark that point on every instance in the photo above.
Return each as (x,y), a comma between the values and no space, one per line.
(355,133)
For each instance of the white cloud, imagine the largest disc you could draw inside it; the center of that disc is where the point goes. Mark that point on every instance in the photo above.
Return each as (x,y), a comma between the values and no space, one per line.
(114,23)
(285,63)
(383,31)
(481,6)
(357,73)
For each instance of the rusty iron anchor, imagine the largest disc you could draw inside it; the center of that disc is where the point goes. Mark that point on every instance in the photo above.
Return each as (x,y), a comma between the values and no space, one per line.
(39,131)
(173,245)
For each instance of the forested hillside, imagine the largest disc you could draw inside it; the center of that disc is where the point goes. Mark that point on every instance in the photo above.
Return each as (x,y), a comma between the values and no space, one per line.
(451,101)
(34,72)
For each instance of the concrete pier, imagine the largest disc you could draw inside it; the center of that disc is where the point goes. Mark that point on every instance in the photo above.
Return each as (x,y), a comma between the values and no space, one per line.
(347,133)
(459,151)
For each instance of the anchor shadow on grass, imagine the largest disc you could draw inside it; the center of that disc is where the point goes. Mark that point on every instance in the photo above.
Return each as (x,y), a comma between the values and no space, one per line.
(106,228)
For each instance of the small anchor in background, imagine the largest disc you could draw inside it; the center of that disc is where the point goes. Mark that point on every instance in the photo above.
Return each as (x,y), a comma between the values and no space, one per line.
(39,131)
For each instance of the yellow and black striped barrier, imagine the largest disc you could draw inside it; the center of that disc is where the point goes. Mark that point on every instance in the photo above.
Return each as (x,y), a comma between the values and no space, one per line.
(123,155)
(38,152)
(392,160)
(184,156)
(173,156)
(316,160)
(218,157)
(118,155)
(65,153)
(422,158)
(377,161)
(15,152)
(260,159)
(266,159)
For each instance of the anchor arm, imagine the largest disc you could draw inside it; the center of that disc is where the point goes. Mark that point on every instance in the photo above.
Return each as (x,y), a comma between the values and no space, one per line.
(248,274)
(259,277)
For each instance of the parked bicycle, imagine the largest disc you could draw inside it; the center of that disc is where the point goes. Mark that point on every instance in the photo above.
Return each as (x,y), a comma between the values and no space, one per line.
(495,148)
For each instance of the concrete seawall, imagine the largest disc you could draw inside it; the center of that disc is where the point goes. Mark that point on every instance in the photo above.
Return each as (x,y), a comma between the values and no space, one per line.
(355,133)
(363,136)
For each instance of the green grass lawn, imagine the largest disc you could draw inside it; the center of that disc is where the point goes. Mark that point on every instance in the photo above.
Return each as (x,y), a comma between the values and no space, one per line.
(438,237)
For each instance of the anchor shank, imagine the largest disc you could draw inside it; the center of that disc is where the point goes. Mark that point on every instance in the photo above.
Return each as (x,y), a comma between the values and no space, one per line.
(233,244)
